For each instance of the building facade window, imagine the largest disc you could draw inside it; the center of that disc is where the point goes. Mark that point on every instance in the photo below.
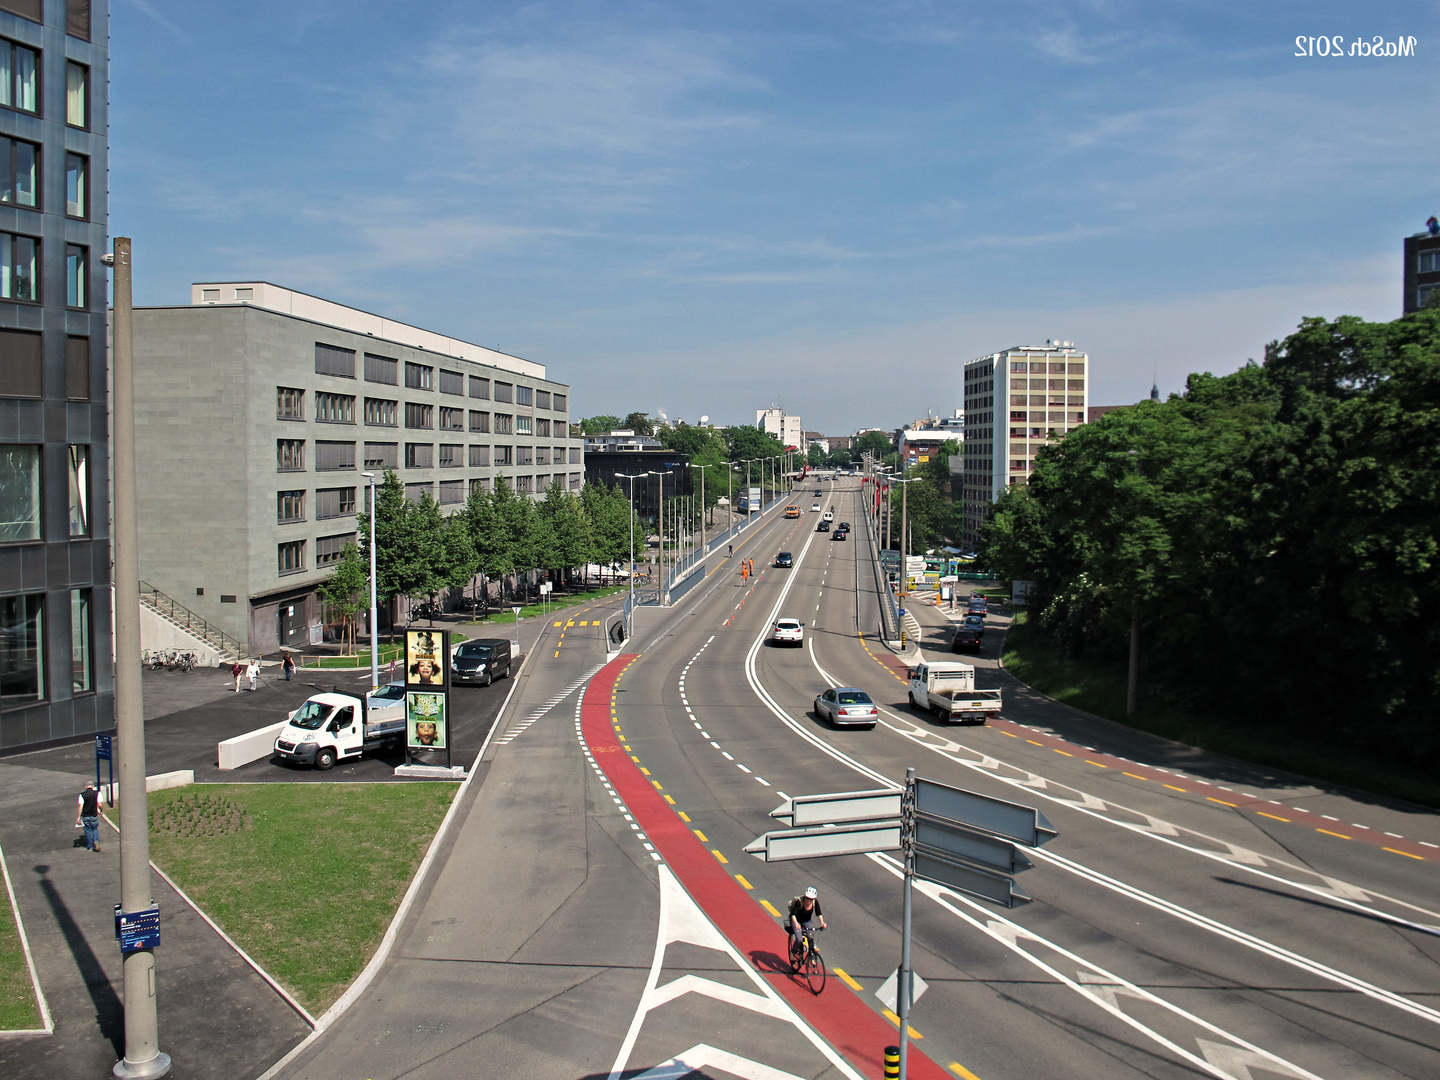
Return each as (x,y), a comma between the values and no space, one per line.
(77,94)
(19,493)
(419,455)
(415,492)
(561,402)
(525,484)
(479,421)
(333,360)
(479,485)
(524,425)
(330,549)
(452,492)
(19,260)
(289,403)
(419,376)
(542,399)
(334,502)
(452,382)
(289,506)
(290,455)
(334,408)
(291,557)
(542,428)
(524,395)
(452,419)
(82,643)
(76,263)
(382,455)
(382,369)
(479,388)
(22,650)
(79,481)
(503,455)
(19,173)
(504,424)
(77,19)
(334,456)
(77,368)
(479,457)
(19,77)
(504,391)
(451,456)
(419,416)
(524,455)
(575,481)
(576,455)
(26,9)
(21,366)
(77,186)
(380,412)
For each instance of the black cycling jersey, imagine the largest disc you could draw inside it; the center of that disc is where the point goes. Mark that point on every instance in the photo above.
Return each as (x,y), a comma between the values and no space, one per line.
(797,910)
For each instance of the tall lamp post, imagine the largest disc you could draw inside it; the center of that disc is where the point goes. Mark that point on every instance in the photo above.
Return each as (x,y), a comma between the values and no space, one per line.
(143,1058)
(702,469)
(664,588)
(629,620)
(374,617)
(904,537)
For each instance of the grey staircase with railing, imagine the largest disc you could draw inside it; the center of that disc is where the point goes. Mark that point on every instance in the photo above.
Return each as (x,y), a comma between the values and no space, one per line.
(178,614)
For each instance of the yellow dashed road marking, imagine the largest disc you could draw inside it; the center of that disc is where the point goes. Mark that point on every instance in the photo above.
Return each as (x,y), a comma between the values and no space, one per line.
(1172,787)
(1407,854)
(716,853)
(896,1021)
(770,908)
(1222,802)
(1277,817)
(848,981)
(961,1071)
(745,884)
(1327,832)
(703,838)
(683,816)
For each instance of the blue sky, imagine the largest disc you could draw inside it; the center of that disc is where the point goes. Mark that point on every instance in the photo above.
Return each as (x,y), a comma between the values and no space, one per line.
(708,207)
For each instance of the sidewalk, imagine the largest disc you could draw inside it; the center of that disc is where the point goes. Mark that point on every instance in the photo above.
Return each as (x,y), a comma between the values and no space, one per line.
(218,1018)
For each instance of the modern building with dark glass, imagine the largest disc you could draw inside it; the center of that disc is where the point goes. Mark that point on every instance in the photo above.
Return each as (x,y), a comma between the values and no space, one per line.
(56,672)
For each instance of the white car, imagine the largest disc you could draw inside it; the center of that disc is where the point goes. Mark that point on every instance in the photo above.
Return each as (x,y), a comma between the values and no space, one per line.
(829,515)
(788,632)
(815,508)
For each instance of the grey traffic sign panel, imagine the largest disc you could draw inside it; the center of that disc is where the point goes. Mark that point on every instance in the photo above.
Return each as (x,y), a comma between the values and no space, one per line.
(818,842)
(989,851)
(1008,819)
(889,989)
(971,880)
(840,806)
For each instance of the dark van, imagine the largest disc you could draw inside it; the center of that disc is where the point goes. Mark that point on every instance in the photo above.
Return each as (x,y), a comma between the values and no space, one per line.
(482,660)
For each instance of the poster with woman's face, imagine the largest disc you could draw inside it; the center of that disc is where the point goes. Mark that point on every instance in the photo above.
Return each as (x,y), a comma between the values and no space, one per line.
(425,726)
(426,653)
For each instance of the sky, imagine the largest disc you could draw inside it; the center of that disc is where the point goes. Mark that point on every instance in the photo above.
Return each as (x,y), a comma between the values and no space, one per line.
(705,208)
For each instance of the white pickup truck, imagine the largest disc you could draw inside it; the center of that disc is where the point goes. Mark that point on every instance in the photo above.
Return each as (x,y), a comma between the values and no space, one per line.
(948,690)
(334,727)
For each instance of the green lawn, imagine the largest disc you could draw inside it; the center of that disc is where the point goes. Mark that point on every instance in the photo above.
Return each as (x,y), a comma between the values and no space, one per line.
(1031,656)
(18,1010)
(305,877)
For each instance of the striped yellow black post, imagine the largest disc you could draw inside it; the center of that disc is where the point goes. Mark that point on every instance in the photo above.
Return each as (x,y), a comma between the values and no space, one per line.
(892,1063)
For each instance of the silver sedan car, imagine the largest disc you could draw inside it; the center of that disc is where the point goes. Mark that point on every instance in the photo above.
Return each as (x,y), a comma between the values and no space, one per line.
(847,706)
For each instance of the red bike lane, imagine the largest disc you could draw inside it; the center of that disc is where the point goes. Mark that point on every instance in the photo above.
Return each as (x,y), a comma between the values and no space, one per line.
(856,1031)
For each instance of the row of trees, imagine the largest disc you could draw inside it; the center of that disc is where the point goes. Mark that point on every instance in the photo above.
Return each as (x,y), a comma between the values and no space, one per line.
(497,534)
(1275,532)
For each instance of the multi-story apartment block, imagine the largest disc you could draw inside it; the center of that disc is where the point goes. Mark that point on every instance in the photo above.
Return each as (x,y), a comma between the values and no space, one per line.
(1422,268)
(787,429)
(258,410)
(54,455)
(1015,402)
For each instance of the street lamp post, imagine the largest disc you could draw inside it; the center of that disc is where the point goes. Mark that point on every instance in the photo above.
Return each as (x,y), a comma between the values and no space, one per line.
(374,618)
(660,517)
(702,469)
(629,620)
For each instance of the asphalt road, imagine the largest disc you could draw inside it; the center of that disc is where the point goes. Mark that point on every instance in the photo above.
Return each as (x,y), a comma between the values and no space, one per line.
(1196,916)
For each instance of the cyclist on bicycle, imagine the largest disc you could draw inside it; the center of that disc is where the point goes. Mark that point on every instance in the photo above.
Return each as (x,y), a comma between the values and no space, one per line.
(804,911)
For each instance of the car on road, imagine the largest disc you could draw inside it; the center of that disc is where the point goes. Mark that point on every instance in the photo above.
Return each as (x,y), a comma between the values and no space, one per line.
(824,526)
(818,493)
(815,508)
(480,660)
(792,511)
(847,706)
(974,622)
(966,639)
(845,525)
(784,558)
(829,515)
(788,632)
(838,534)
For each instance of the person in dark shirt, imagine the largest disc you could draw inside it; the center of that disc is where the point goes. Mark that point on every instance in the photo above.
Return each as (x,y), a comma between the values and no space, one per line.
(804,913)
(87,813)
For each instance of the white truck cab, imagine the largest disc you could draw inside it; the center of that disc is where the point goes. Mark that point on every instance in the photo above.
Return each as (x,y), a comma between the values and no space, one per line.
(335,727)
(947,689)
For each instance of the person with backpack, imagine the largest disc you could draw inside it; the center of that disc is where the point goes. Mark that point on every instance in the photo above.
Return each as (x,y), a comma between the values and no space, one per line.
(87,813)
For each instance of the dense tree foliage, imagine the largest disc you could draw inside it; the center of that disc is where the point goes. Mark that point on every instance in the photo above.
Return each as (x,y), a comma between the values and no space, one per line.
(1276,530)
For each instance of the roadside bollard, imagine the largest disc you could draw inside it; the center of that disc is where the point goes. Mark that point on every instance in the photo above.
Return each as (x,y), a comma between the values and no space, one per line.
(892,1063)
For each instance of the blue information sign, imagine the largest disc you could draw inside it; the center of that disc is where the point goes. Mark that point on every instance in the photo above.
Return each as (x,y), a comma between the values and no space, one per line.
(102,747)
(136,930)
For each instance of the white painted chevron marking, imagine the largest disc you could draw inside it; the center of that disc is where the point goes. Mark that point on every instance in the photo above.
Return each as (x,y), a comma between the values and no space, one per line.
(1236,1062)
(701,1055)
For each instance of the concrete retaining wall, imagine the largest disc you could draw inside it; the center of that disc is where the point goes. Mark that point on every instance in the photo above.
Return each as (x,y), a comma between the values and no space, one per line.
(252,746)
(158,782)
(158,634)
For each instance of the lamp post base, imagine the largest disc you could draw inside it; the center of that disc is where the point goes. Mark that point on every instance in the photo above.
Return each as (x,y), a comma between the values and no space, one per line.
(159,1065)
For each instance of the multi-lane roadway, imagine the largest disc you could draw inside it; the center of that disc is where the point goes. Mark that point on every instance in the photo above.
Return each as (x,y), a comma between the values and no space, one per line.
(592,912)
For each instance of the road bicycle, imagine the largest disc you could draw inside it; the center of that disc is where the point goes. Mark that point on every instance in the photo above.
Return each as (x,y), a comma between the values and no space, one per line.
(806,961)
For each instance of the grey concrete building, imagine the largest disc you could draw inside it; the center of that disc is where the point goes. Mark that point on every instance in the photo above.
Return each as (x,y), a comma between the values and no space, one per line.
(259,409)
(56,673)
(1422,268)
(1015,402)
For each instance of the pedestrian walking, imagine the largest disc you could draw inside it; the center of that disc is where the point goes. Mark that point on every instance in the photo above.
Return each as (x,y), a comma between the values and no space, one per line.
(287,665)
(252,672)
(237,669)
(729,551)
(87,813)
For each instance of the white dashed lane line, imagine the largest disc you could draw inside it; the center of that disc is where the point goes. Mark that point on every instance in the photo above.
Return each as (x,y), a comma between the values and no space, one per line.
(690,713)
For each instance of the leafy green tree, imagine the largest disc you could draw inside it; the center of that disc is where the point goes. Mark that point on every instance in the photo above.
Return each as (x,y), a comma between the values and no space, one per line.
(815,456)
(597,425)
(874,442)
(347,591)
(639,423)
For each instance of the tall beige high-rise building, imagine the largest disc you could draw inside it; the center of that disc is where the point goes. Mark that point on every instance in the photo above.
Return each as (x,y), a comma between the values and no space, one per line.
(1015,402)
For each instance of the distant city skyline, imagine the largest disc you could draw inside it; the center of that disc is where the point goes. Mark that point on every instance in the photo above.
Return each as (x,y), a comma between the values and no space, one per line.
(699,208)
